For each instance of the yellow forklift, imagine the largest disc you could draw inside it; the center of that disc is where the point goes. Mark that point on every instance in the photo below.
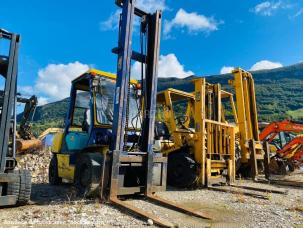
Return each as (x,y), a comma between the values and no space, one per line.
(203,145)
(198,141)
(106,148)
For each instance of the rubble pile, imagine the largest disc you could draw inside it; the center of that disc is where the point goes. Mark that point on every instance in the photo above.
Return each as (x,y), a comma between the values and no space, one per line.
(37,162)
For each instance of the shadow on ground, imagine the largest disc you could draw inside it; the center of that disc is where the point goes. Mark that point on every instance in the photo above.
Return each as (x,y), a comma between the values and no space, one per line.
(44,193)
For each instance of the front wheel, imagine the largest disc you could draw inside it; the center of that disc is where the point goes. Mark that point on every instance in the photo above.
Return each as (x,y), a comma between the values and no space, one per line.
(25,187)
(22,187)
(182,170)
(88,173)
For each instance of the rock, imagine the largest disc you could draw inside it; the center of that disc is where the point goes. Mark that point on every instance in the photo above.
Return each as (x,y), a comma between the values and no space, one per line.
(36,162)
(150,222)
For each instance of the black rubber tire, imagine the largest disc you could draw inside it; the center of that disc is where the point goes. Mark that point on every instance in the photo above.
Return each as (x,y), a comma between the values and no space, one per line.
(53,176)
(182,170)
(25,187)
(87,174)
(13,188)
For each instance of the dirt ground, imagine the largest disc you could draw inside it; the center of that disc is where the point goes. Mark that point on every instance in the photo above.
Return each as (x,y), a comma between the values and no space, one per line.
(57,205)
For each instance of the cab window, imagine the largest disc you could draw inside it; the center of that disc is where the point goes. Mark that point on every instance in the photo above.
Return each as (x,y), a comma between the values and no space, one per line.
(105,104)
(81,107)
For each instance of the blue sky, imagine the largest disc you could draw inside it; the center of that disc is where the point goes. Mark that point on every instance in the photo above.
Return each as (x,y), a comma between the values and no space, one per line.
(60,39)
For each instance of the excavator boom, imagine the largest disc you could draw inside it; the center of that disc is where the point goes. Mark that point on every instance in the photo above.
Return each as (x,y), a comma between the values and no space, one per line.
(283,126)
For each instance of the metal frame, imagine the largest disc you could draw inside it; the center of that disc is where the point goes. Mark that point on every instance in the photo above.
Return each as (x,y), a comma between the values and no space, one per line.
(112,176)
(219,136)
(251,147)
(9,68)
(213,140)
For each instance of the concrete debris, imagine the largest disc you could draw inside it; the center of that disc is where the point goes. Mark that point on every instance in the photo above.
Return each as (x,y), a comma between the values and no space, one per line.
(37,162)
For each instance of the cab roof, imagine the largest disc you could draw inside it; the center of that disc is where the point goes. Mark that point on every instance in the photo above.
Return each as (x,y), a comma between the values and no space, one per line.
(84,78)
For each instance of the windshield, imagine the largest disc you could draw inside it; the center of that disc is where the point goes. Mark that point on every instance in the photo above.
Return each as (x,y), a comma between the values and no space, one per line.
(105,106)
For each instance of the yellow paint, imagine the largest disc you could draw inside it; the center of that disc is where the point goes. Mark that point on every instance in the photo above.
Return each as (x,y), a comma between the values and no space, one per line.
(49,131)
(104,74)
(247,116)
(65,170)
(209,136)
(57,142)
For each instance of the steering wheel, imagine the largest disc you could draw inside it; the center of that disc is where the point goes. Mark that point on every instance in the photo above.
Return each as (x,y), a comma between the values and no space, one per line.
(181,120)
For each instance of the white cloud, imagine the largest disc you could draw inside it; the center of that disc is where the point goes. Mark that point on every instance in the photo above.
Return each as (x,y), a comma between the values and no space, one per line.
(42,100)
(169,66)
(151,5)
(26,90)
(54,80)
(265,65)
(226,70)
(193,22)
(112,22)
(268,8)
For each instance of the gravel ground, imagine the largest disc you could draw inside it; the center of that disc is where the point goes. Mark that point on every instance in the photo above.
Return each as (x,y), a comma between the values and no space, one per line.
(53,206)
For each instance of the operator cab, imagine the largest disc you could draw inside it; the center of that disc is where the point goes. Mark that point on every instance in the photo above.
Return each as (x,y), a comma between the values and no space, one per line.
(91,110)
(88,126)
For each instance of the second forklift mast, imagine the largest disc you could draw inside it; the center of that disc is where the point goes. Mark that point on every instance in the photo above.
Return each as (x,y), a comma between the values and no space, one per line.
(252,153)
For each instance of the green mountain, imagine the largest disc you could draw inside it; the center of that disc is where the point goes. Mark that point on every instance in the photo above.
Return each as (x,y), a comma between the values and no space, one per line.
(279,92)
(279,95)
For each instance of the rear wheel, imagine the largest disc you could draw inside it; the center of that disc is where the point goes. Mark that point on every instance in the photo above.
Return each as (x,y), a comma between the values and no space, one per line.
(53,176)
(182,170)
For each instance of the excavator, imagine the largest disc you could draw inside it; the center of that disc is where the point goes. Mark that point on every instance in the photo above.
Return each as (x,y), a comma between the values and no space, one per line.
(26,142)
(31,103)
(278,129)
(106,148)
(287,144)
(15,184)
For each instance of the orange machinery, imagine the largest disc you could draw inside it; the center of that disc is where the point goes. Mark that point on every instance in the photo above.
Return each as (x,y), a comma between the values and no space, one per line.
(292,147)
(274,128)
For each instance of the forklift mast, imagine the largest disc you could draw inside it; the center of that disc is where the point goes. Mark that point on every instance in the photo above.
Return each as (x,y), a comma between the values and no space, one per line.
(252,154)
(150,27)
(9,67)
(140,170)
(15,185)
